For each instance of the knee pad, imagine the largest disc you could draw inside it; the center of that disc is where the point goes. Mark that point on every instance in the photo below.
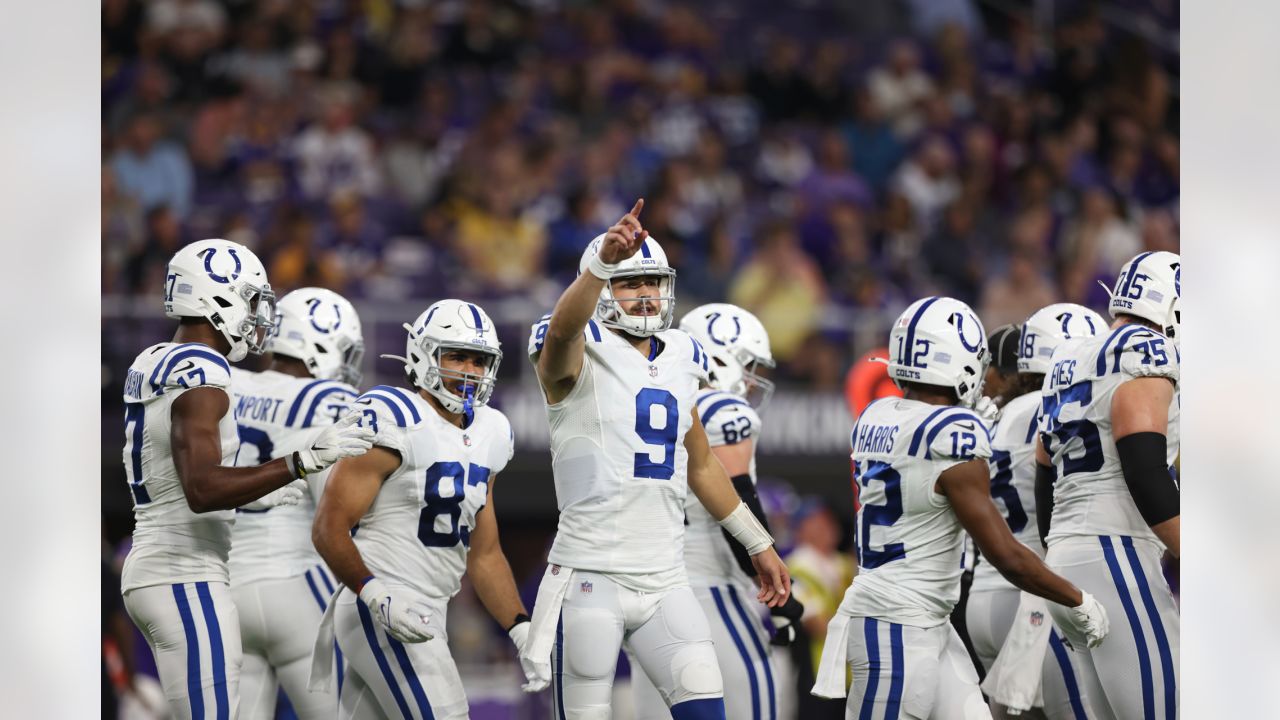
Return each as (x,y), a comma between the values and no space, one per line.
(695,674)
(589,651)
(704,709)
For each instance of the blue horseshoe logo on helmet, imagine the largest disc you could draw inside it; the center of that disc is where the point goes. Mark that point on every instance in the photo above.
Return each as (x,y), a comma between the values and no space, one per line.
(1177,278)
(208,266)
(960,331)
(711,323)
(314,303)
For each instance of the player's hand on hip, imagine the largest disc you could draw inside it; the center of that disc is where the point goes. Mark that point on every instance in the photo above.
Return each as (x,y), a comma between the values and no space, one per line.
(771,573)
(344,438)
(290,494)
(402,614)
(624,238)
(538,674)
(1087,623)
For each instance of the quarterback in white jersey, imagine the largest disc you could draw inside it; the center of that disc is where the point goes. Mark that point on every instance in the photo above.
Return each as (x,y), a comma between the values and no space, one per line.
(720,572)
(627,445)
(280,586)
(401,524)
(1105,465)
(180,443)
(1035,655)
(920,464)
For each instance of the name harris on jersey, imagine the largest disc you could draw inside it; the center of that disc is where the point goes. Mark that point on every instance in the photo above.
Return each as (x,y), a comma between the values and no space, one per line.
(875,438)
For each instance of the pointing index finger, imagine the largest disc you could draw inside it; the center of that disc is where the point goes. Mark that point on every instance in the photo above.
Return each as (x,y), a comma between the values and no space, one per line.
(635,210)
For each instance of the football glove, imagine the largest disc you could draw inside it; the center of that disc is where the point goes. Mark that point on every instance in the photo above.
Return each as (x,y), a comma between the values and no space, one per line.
(1086,624)
(342,439)
(786,620)
(987,409)
(538,674)
(400,613)
(290,494)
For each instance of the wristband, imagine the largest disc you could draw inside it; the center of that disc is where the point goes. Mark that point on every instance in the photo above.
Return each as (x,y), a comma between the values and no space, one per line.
(520,618)
(362,583)
(293,461)
(746,529)
(600,268)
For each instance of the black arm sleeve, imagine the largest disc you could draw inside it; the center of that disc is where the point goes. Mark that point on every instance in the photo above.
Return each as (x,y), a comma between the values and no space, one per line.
(1046,476)
(747,491)
(1142,458)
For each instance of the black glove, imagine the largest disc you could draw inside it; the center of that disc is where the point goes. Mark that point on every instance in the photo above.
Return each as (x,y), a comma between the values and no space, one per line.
(786,621)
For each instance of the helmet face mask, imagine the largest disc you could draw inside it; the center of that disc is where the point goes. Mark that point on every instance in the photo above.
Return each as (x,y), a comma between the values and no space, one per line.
(611,308)
(940,341)
(452,326)
(322,329)
(224,283)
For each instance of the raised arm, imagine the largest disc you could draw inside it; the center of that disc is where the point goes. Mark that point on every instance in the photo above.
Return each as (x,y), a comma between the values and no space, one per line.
(560,360)
(711,484)
(1140,422)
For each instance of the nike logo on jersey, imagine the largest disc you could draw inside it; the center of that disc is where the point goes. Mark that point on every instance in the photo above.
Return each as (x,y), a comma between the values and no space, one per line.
(967,426)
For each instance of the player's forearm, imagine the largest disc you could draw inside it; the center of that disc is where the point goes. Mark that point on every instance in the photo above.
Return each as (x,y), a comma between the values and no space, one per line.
(496,587)
(711,484)
(334,543)
(1028,572)
(576,306)
(227,488)
(1170,533)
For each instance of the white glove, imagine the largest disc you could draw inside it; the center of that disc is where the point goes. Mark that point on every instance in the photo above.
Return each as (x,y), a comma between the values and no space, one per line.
(290,494)
(402,615)
(1087,624)
(342,439)
(987,409)
(538,674)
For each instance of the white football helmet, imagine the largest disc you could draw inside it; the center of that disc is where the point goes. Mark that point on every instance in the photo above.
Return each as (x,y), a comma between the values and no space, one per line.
(940,341)
(738,344)
(649,260)
(1047,327)
(320,328)
(224,283)
(451,325)
(1150,287)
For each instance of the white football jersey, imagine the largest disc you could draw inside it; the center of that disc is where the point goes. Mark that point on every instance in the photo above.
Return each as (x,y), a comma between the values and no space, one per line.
(909,540)
(418,529)
(729,420)
(1090,496)
(171,544)
(618,456)
(277,414)
(1013,482)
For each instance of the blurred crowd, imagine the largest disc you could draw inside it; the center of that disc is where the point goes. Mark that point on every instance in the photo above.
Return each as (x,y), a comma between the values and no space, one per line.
(802,161)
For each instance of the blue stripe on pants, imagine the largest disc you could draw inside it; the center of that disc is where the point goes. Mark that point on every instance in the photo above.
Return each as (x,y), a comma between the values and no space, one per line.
(742,650)
(897,672)
(700,709)
(1068,676)
(415,683)
(217,658)
(1157,627)
(194,692)
(764,656)
(871,634)
(1144,656)
(558,689)
(372,636)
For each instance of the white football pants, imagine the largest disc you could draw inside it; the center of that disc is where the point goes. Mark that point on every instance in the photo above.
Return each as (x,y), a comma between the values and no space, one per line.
(194,634)
(901,671)
(742,652)
(1134,672)
(278,623)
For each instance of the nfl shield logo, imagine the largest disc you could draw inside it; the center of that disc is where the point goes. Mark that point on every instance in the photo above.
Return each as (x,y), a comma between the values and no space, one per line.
(1037,618)
(466,440)
(555,569)
(586,587)
(653,371)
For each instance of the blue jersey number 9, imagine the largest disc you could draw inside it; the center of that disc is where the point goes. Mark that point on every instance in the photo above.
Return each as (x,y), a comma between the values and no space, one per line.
(664,436)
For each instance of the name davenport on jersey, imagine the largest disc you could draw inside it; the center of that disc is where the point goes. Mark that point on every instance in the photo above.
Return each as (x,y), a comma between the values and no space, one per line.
(417,531)
(171,544)
(1090,496)
(618,455)
(277,414)
(909,540)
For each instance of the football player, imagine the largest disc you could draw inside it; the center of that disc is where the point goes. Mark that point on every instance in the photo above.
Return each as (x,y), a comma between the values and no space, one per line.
(1106,449)
(180,445)
(720,571)
(921,468)
(401,524)
(994,604)
(627,445)
(279,585)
